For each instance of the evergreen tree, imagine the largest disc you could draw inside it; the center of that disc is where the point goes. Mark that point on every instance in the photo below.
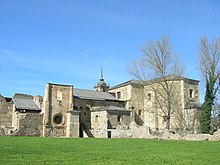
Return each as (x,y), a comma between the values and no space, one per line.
(205,119)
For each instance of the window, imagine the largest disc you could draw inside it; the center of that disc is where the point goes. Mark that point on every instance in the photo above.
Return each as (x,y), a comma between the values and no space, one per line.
(119,118)
(59,95)
(164,119)
(139,112)
(58,118)
(149,96)
(22,111)
(191,93)
(118,94)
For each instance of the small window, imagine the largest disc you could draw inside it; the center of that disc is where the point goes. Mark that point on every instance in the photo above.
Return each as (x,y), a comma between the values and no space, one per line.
(119,118)
(139,112)
(118,94)
(59,95)
(191,93)
(164,119)
(22,111)
(149,96)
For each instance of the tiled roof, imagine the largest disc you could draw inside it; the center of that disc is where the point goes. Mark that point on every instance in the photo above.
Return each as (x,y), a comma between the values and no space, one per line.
(25,104)
(92,95)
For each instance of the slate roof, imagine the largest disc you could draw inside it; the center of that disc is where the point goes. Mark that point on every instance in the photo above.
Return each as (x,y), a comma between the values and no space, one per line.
(155,80)
(106,108)
(130,82)
(25,104)
(113,110)
(93,95)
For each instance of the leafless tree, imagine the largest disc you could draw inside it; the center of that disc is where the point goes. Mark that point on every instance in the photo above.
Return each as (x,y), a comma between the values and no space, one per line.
(159,68)
(209,53)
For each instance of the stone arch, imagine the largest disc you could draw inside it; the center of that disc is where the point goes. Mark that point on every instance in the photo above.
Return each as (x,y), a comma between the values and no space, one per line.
(86,117)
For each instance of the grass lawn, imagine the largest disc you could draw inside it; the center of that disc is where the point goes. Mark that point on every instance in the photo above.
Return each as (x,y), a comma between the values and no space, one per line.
(33,150)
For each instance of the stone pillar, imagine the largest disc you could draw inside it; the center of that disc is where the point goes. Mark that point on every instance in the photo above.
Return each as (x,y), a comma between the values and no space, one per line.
(47,106)
(73,123)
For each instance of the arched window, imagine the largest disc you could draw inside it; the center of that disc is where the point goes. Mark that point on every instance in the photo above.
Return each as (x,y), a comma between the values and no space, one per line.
(119,118)
(140,112)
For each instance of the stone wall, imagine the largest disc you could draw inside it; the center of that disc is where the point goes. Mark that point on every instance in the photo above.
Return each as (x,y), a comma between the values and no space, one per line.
(125,92)
(195,93)
(133,96)
(73,124)
(39,101)
(29,124)
(99,120)
(5,116)
(156,105)
(118,120)
(58,101)
(85,108)
(169,135)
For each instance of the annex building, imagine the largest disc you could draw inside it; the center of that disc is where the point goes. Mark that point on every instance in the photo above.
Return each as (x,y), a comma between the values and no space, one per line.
(129,109)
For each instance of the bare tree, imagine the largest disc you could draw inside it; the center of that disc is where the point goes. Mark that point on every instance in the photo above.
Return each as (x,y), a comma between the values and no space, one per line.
(159,68)
(209,53)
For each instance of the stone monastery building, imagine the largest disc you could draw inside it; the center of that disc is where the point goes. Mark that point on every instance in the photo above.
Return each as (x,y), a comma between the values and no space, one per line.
(130,109)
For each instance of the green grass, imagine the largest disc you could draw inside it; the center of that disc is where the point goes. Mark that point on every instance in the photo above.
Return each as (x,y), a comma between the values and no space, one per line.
(32,150)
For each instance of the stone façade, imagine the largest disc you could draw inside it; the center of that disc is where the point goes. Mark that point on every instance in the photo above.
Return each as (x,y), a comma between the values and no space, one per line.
(124,110)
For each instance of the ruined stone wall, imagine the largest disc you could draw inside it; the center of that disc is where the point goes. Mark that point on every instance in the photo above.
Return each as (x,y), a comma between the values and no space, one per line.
(38,101)
(57,103)
(5,116)
(99,120)
(73,124)
(134,131)
(28,124)
(104,123)
(118,121)
(103,120)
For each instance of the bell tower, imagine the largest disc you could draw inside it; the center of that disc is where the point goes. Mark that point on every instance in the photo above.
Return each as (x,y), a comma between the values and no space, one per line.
(101,86)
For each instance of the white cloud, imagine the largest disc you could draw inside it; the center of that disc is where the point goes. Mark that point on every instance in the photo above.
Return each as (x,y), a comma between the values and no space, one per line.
(109,58)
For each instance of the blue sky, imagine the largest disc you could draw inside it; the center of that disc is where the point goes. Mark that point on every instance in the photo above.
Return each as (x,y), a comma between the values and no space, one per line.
(68,41)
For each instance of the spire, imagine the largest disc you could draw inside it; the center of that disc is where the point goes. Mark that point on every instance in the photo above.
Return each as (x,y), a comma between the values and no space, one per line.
(101,79)
(101,85)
